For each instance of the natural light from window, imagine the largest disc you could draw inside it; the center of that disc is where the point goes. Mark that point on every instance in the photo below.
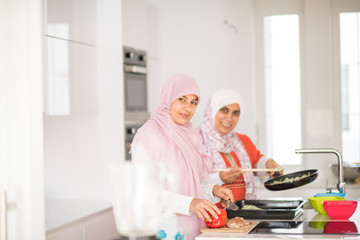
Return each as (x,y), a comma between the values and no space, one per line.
(350,85)
(282,87)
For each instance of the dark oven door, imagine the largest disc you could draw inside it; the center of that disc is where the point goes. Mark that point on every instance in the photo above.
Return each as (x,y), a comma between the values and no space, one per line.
(135,92)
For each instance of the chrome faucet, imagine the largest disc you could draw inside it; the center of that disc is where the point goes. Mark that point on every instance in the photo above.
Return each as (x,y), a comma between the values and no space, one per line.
(341,183)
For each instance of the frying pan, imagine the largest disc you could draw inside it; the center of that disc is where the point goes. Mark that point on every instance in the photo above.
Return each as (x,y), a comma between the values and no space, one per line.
(272,184)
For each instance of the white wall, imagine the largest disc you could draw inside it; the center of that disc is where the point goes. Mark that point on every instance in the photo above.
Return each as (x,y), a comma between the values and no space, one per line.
(319,112)
(193,39)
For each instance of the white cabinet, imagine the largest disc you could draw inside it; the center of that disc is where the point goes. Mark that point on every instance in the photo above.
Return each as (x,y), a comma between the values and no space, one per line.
(72,78)
(84,51)
(96,226)
(73,20)
(136,25)
(86,136)
(100,227)
(72,232)
(71,51)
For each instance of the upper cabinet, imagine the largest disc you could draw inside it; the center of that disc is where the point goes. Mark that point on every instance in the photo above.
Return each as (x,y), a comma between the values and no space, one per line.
(71,52)
(83,123)
(73,20)
(72,78)
(136,23)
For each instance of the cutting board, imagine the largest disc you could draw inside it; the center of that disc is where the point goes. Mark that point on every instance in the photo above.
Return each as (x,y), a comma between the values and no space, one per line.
(244,229)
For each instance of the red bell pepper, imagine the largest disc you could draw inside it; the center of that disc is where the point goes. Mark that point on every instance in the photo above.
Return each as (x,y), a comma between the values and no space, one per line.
(219,222)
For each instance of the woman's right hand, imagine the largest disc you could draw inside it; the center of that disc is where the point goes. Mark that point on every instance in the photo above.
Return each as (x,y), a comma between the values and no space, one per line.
(230,175)
(201,207)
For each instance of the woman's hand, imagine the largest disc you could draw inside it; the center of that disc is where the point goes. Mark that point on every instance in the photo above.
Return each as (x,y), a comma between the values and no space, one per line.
(230,175)
(272,164)
(201,207)
(223,192)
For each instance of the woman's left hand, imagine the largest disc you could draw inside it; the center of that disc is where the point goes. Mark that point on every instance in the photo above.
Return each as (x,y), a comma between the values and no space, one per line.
(223,192)
(271,164)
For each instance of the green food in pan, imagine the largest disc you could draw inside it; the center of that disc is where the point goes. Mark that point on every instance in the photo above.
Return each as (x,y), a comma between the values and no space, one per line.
(250,207)
(290,179)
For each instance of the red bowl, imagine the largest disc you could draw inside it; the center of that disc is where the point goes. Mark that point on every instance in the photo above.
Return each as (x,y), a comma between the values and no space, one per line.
(340,210)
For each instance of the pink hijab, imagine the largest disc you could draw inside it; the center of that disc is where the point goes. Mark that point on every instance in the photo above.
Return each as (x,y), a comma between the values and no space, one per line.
(192,164)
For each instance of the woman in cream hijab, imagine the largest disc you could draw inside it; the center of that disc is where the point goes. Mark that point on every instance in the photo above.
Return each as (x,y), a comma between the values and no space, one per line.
(169,138)
(230,149)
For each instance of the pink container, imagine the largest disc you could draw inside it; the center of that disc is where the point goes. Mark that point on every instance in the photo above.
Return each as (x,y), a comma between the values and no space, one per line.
(340,210)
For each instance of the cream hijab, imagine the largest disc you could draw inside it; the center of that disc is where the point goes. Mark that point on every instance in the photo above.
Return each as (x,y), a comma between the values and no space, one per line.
(191,162)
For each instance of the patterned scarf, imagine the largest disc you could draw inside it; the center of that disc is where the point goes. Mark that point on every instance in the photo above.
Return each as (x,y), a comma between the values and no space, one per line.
(226,143)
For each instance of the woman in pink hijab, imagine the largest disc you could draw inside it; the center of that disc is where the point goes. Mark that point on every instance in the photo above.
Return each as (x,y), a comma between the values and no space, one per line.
(170,138)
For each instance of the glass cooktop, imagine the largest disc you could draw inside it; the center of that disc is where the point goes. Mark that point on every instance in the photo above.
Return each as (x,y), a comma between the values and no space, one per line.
(306,227)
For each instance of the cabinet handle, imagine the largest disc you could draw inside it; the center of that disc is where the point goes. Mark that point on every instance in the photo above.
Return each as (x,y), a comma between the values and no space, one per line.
(3,217)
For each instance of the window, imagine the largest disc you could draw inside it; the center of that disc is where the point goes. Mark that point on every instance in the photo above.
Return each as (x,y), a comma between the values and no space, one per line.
(350,85)
(282,87)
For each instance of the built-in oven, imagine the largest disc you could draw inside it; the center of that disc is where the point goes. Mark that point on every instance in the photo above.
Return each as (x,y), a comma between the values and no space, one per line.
(135,93)
(130,131)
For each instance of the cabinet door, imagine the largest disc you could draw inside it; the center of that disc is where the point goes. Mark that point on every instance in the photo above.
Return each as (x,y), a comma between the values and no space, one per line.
(73,232)
(101,227)
(74,20)
(72,82)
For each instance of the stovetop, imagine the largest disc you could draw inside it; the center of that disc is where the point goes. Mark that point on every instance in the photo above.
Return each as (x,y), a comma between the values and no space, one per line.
(306,227)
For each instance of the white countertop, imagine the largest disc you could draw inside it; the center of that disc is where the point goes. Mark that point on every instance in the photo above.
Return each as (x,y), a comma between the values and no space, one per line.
(307,215)
(60,213)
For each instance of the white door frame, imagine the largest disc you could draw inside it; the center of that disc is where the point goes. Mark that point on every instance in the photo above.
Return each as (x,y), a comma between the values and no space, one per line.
(21,117)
